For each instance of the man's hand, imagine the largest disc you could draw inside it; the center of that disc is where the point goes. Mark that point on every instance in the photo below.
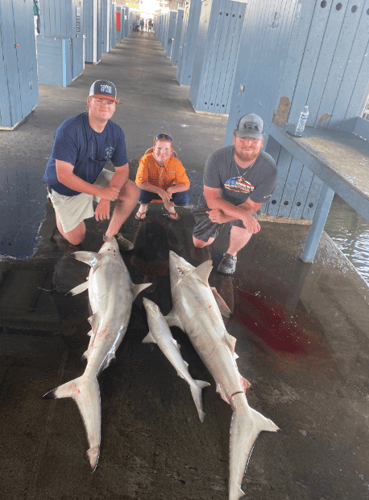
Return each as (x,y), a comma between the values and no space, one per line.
(251,224)
(110,193)
(102,210)
(216,215)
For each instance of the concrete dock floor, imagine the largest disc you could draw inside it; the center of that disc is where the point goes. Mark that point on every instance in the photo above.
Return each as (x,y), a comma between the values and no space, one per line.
(301,330)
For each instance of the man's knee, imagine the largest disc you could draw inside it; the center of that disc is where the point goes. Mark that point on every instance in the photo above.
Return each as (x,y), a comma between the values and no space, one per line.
(77,235)
(240,233)
(201,244)
(129,191)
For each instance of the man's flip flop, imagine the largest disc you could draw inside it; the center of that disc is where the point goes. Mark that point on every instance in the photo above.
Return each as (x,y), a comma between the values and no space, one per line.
(140,216)
(171,216)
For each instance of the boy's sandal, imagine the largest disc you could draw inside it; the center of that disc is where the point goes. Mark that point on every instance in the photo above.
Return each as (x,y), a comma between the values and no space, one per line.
(171,216)
(140,216)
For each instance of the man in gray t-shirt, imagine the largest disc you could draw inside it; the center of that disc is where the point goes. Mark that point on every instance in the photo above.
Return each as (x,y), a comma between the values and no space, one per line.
(238,179)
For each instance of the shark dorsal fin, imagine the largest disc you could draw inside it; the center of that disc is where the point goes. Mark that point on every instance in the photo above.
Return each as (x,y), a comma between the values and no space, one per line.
(136,289)
(203,271)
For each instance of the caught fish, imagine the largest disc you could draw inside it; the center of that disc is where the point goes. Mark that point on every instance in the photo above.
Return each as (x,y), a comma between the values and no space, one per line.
(196,312)
(111,294)
(160,334)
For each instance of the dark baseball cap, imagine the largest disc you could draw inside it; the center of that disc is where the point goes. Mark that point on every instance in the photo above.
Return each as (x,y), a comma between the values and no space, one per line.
(103,88)
(250,126)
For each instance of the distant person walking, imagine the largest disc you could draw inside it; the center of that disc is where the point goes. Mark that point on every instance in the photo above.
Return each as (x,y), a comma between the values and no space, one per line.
(75,173)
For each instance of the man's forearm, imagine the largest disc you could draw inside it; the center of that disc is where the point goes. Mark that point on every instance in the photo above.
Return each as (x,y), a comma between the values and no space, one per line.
(74,182)
(232,212)
(119,179)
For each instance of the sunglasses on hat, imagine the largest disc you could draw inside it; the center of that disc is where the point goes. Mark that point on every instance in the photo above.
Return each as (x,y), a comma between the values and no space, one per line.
(163,136)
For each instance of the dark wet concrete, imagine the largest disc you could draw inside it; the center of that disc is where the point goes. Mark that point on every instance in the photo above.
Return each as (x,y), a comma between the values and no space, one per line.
(301,334)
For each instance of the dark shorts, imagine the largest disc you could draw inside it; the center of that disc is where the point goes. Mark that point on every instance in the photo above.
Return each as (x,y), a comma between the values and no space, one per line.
(179,199)
(204,227)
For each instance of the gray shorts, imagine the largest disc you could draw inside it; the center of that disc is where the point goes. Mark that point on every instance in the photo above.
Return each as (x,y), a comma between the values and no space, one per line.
(204,227)
(72,210)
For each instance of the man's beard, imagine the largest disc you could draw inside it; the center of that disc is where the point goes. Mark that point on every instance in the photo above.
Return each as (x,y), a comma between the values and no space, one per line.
(245,156)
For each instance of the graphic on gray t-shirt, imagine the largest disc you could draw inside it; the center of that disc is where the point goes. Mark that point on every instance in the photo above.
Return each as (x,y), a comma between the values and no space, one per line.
(255,182)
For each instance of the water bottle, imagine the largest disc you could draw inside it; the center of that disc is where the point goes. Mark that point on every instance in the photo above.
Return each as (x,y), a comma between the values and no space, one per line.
(300,127)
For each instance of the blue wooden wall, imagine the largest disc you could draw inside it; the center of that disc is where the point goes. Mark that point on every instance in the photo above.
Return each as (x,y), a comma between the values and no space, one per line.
(92,30)
(327,64)
(112,30)
(327,68)
(177,37)
(18,66)
(64,18)
(188,42)
(216,54)
(54,59)
(265,39)
(105,26)
(172,22)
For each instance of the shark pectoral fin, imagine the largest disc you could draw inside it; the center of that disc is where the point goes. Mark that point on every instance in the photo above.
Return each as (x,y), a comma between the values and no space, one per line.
(149,338)
(203,271)
(196,391)
(92,259)
(136,289)
(223,308)
(173,320)
(78,289)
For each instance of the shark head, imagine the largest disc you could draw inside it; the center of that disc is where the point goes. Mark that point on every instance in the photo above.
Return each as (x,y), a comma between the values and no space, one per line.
(110,247)
(178,268)
(149,305)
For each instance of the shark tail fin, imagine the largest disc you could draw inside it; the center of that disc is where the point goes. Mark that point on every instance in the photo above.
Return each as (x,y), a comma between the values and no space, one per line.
(86,393)
(246,425)
(196,391)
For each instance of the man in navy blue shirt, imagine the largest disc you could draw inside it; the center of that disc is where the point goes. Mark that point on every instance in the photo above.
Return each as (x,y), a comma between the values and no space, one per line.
(75,172)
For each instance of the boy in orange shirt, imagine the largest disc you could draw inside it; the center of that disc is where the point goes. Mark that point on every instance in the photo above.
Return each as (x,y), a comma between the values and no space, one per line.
(161,176)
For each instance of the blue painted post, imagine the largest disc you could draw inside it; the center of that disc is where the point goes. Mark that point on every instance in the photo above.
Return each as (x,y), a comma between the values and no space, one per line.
(265,41)
(317,227)
(185,67)
(64,19)
(177,37)
(18,67)
(216,54)
(92,30)
(172,20)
